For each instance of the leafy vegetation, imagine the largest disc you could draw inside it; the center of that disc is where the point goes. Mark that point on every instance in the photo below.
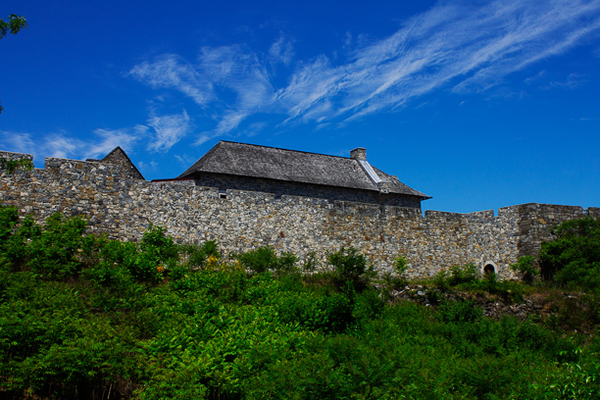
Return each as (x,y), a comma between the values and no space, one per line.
(14,24)
(351,270)
(265,259)
(12,165)
(84,317)
(573,258)
(526,267)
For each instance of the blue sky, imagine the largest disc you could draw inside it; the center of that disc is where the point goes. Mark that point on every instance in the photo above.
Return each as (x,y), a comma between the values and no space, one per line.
(480,104)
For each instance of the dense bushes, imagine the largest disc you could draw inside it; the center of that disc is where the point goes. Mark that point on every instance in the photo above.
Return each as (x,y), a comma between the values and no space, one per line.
(93,318)
(350,269)
(264,259)
(526,267)
(51,252)
(573,258)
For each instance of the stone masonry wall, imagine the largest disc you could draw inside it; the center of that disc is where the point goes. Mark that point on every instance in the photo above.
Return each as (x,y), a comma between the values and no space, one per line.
(281,188)
(538,219)
(123,208)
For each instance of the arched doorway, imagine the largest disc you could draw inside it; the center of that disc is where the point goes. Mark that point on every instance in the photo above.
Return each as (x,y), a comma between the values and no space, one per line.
(489,269)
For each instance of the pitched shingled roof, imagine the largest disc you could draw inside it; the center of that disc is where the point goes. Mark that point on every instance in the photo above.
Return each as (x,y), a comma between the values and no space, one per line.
(240,159)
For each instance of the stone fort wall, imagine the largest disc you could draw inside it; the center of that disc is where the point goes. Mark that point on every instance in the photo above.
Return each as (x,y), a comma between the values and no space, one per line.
(123,207)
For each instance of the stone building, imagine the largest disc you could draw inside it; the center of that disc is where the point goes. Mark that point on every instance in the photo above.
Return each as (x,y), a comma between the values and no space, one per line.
(246,196)
(240,166)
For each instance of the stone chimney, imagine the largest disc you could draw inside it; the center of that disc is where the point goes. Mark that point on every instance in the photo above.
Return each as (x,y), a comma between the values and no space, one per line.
(359,153)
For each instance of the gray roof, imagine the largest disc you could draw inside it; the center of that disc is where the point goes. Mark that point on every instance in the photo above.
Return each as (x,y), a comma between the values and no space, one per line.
(240,159)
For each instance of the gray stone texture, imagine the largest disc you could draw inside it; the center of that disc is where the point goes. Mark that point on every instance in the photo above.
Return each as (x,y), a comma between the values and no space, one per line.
(118,203)
(282,188)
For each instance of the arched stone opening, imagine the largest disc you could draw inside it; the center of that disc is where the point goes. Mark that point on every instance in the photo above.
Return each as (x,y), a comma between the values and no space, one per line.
(489,269)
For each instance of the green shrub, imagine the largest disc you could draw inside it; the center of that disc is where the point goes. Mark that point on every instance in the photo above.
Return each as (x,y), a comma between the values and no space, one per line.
(457,275)
(368,305)
(197,256)
(9,219)
(396,279)
(14,245)
(460,311)
(463,274)
(118,263)
(526,267)
(156,241)
(328,312)
(311,264)
(265,259)
(56,252)
(145,266)
(149,261)
(108,274)
(573,258)
(350,268)
(13,165)
(400,265)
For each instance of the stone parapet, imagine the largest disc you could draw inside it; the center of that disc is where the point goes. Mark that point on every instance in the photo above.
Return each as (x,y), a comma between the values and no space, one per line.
(9,155)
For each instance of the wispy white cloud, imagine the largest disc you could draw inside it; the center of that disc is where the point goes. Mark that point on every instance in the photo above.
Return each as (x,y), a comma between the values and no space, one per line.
(243,80)
(151,166)
(281,51)
(168,130)
(234,80)
(109,139)
(544,80)
(536,78)
(160,131)
(63,144)
(452,46)
(172,71)
(347,40)
(572,81)
(205,137)
(185,159)
(19,142)
(255,128)
(57,144)
(455,46)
